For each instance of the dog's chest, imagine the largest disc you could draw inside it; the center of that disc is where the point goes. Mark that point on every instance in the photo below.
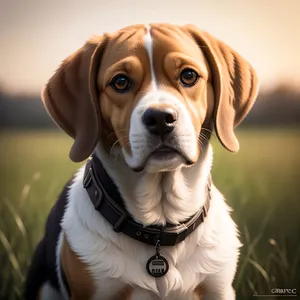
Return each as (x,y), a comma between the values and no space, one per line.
(116,268)
(116,261)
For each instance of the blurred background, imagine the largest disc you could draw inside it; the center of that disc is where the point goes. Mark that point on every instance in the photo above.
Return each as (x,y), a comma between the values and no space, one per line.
(261,182)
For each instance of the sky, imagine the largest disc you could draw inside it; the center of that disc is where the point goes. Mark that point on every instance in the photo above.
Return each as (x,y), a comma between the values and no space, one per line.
(36,35)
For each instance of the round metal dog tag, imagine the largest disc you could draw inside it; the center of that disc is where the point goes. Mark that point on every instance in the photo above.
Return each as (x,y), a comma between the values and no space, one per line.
(157,266)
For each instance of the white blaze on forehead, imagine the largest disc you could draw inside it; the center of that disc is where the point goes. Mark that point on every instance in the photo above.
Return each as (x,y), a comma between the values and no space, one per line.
(149,47)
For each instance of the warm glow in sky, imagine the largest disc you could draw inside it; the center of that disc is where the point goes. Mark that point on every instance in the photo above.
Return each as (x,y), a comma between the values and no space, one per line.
(35,35)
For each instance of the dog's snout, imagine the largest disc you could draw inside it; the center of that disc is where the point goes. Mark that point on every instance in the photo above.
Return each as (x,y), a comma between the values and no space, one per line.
(160,121)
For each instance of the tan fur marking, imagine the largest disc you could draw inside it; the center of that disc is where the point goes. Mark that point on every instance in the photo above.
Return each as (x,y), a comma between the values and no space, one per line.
(235,85)
(199,292)
(79,279)
(70,100)
(174,51)
(125,294)
(125,54)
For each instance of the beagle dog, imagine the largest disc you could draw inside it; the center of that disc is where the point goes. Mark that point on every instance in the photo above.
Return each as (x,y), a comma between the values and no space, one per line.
(142,219)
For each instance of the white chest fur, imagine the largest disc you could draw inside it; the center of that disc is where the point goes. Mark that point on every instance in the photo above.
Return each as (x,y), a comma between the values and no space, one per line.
(116,260)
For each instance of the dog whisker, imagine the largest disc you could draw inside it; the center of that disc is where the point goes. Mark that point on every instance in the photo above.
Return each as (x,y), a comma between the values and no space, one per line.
(115,133)
(118,154)
(115,143)
(208,130)
(203,136)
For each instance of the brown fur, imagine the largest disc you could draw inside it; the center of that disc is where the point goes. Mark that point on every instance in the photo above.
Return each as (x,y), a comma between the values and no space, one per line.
(125,294)
(126,54)
(199,292)
(70,99)
(79,279)
(235,86)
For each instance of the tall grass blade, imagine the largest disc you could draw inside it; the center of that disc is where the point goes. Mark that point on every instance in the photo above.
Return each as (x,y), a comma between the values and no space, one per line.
(11,256)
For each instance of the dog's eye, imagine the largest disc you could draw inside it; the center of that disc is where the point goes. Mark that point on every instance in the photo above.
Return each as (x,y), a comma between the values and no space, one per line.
(120,83)
(188,77)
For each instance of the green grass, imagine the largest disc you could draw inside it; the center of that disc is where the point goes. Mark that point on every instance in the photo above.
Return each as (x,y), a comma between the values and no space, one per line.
(261,183)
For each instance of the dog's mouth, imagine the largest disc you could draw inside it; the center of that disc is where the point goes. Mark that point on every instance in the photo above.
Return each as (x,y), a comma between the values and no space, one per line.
(164,153)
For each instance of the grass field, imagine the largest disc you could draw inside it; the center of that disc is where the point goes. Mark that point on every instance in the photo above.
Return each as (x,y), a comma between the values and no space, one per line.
(261,183)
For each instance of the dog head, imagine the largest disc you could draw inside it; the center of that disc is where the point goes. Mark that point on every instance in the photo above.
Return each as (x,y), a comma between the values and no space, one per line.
(154,93)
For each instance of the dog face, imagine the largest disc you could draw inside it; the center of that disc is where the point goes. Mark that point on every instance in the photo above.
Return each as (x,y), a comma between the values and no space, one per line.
(152,93)
(154,96)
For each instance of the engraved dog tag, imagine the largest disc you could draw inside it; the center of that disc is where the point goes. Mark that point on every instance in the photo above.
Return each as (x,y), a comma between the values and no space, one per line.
(157,266)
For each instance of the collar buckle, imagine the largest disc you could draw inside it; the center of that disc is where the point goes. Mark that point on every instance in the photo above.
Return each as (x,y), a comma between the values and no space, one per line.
(87,178)
(94,190)
(118,225)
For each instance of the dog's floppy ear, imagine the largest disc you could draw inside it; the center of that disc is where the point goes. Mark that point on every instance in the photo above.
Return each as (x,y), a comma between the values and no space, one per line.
(71,97)
(235,86)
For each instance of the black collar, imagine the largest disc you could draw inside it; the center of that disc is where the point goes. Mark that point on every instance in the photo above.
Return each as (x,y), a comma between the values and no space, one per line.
(106,199)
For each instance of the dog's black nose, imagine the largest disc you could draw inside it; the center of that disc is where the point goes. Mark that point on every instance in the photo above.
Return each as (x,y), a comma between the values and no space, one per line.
(160,121)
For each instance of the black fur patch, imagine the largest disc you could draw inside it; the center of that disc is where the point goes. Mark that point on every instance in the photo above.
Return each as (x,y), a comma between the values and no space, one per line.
(43,265)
